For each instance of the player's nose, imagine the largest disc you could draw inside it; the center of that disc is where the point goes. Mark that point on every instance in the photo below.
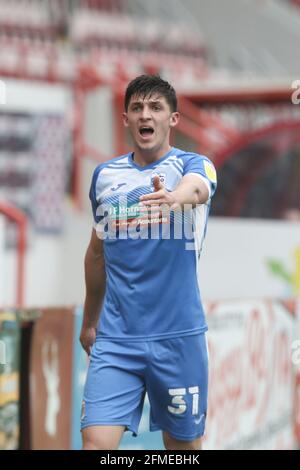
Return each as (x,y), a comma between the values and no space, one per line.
(145,113)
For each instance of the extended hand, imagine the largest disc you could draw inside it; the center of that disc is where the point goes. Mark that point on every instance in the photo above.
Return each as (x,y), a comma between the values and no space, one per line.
(160,196)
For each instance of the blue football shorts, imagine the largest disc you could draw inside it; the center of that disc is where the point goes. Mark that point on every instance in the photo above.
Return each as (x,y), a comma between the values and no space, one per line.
(173,372)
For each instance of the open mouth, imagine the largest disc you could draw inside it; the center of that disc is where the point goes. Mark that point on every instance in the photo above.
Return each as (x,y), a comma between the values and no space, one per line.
(146,131)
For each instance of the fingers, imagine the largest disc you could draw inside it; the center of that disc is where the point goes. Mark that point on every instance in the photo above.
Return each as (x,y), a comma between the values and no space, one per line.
(87,346)
(158,194)
(155,199)
(154,196)
(88,349)
(154,202)
(157,184)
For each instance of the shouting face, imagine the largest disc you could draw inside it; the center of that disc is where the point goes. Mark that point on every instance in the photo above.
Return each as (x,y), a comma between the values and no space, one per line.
(149,120)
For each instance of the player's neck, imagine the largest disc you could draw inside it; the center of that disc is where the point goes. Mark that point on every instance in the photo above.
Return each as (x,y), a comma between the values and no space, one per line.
(146,157)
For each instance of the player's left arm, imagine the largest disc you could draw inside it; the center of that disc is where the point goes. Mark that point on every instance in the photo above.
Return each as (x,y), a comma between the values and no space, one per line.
(191,190)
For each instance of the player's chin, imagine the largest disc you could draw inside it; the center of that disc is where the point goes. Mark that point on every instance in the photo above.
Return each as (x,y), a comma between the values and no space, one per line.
(147,145)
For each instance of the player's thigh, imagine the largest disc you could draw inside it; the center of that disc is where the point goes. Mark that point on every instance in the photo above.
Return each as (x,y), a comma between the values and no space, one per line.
(102,437)
(114,389)
(177,386)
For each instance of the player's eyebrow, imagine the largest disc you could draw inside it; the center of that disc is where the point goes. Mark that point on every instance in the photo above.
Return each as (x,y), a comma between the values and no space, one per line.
(133,103)
(140,101)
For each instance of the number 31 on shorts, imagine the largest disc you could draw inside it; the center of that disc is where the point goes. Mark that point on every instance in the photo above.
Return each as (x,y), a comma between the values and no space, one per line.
(179,403)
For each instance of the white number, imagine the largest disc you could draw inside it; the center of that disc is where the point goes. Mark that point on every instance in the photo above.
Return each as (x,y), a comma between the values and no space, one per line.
(177,394)
(179,402)
(195,392)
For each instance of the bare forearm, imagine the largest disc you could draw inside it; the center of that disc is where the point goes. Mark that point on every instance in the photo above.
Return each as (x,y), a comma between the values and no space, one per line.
(95,280)
(187,195)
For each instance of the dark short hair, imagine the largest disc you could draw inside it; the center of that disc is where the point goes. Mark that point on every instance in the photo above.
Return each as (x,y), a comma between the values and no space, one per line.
(147,85)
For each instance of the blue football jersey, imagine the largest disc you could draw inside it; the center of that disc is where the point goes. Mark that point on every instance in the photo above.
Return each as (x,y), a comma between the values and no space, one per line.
(151,258)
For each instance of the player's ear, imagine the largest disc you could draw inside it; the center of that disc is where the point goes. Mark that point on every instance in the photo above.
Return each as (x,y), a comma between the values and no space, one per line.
(174,119)
(125,119)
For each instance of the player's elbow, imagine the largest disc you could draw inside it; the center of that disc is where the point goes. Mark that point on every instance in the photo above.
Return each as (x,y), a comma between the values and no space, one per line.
(201,195)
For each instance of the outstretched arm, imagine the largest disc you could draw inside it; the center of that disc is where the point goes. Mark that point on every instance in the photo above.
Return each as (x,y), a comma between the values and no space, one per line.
(191,190)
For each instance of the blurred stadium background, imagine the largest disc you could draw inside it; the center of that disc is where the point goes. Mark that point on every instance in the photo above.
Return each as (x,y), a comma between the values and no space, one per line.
(63,68)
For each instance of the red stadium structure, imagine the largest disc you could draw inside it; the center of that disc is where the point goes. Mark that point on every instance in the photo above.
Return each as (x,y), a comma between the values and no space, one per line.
(19,218)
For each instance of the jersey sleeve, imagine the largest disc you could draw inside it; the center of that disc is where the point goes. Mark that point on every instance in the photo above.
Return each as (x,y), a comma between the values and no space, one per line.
(93,196)
(194,164)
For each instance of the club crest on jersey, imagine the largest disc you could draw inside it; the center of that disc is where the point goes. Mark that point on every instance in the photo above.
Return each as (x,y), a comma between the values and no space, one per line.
(162,177)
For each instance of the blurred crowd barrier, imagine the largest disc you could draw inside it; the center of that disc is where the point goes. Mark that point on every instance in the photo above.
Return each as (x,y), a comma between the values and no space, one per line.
(254,394)
(41,379)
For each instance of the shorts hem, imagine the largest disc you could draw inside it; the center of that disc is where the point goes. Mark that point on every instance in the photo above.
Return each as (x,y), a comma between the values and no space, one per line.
(180,437)
(128,427)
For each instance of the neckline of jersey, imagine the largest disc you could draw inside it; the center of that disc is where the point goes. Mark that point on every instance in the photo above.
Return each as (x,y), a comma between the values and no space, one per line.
(150,165)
